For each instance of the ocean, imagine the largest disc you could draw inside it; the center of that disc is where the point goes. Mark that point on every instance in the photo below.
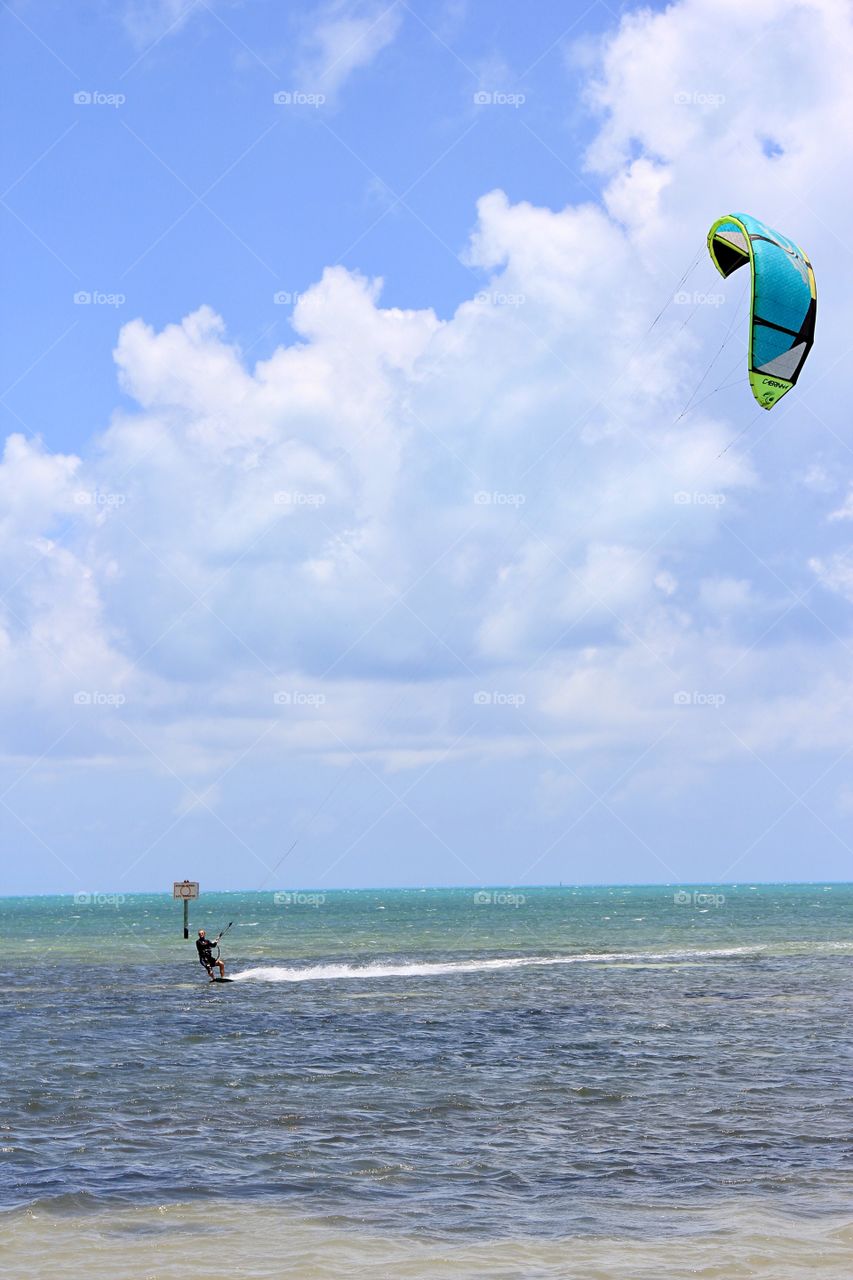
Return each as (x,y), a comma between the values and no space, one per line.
(539,1082)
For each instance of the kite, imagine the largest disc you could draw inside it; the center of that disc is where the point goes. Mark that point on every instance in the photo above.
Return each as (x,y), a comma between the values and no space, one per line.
(784,300)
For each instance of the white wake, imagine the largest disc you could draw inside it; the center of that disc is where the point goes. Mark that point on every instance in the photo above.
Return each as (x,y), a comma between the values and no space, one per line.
(435,969)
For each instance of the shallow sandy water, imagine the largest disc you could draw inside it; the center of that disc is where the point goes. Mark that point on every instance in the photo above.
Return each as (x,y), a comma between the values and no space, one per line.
(257,1242)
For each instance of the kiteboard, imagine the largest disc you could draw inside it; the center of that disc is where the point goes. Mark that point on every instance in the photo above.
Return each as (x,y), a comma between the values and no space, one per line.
(221,979)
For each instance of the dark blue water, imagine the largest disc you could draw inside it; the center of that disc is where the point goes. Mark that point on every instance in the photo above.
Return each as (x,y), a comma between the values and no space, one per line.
(579,1061)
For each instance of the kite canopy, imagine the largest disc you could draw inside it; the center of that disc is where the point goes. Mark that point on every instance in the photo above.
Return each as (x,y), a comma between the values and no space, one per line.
(784,300)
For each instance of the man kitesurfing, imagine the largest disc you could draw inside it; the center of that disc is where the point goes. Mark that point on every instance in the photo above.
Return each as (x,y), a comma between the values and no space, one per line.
(206,957)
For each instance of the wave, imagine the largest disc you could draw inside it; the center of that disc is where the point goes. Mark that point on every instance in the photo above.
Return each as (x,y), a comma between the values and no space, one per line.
(437,968)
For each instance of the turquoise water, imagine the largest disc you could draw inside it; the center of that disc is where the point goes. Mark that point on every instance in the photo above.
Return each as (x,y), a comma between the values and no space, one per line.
(528,1064)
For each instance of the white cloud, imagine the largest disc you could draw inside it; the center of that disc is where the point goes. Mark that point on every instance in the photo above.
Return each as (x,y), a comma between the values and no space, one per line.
(344,37)
(36,487)
(845,511)
(148,20)
(398,511)
(820,480)
(836,572)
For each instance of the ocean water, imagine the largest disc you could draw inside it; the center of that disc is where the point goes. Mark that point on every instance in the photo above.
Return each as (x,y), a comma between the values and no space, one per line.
(555,1082)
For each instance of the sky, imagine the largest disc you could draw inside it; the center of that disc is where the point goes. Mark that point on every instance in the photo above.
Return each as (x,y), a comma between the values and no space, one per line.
(383,499)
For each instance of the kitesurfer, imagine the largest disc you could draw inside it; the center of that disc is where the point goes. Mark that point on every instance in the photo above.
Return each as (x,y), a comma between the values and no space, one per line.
(205,955)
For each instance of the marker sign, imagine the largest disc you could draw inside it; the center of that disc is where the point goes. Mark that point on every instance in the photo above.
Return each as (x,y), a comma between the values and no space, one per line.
(185,890)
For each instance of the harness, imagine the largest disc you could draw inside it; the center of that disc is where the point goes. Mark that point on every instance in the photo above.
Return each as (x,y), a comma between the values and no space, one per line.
(205,953)
(207,946)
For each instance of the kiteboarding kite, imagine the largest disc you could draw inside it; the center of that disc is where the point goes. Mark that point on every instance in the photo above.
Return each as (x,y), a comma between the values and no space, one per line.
(784,300)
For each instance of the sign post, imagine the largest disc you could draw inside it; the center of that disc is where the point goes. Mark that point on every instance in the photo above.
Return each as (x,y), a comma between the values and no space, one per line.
(183,891)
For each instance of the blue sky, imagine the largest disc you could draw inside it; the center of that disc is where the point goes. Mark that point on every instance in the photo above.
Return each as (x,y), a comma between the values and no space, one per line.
(111,206)
(354,505)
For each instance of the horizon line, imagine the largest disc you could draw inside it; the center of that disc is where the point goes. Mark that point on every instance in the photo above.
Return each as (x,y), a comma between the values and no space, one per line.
(653,884)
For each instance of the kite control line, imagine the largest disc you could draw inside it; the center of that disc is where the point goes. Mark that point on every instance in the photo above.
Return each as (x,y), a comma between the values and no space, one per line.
(220,934)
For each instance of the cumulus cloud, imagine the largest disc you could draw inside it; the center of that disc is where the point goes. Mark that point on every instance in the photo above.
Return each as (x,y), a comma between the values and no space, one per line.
(492,536)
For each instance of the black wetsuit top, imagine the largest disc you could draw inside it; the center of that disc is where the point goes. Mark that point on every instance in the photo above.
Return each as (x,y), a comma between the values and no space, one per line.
(205,951)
